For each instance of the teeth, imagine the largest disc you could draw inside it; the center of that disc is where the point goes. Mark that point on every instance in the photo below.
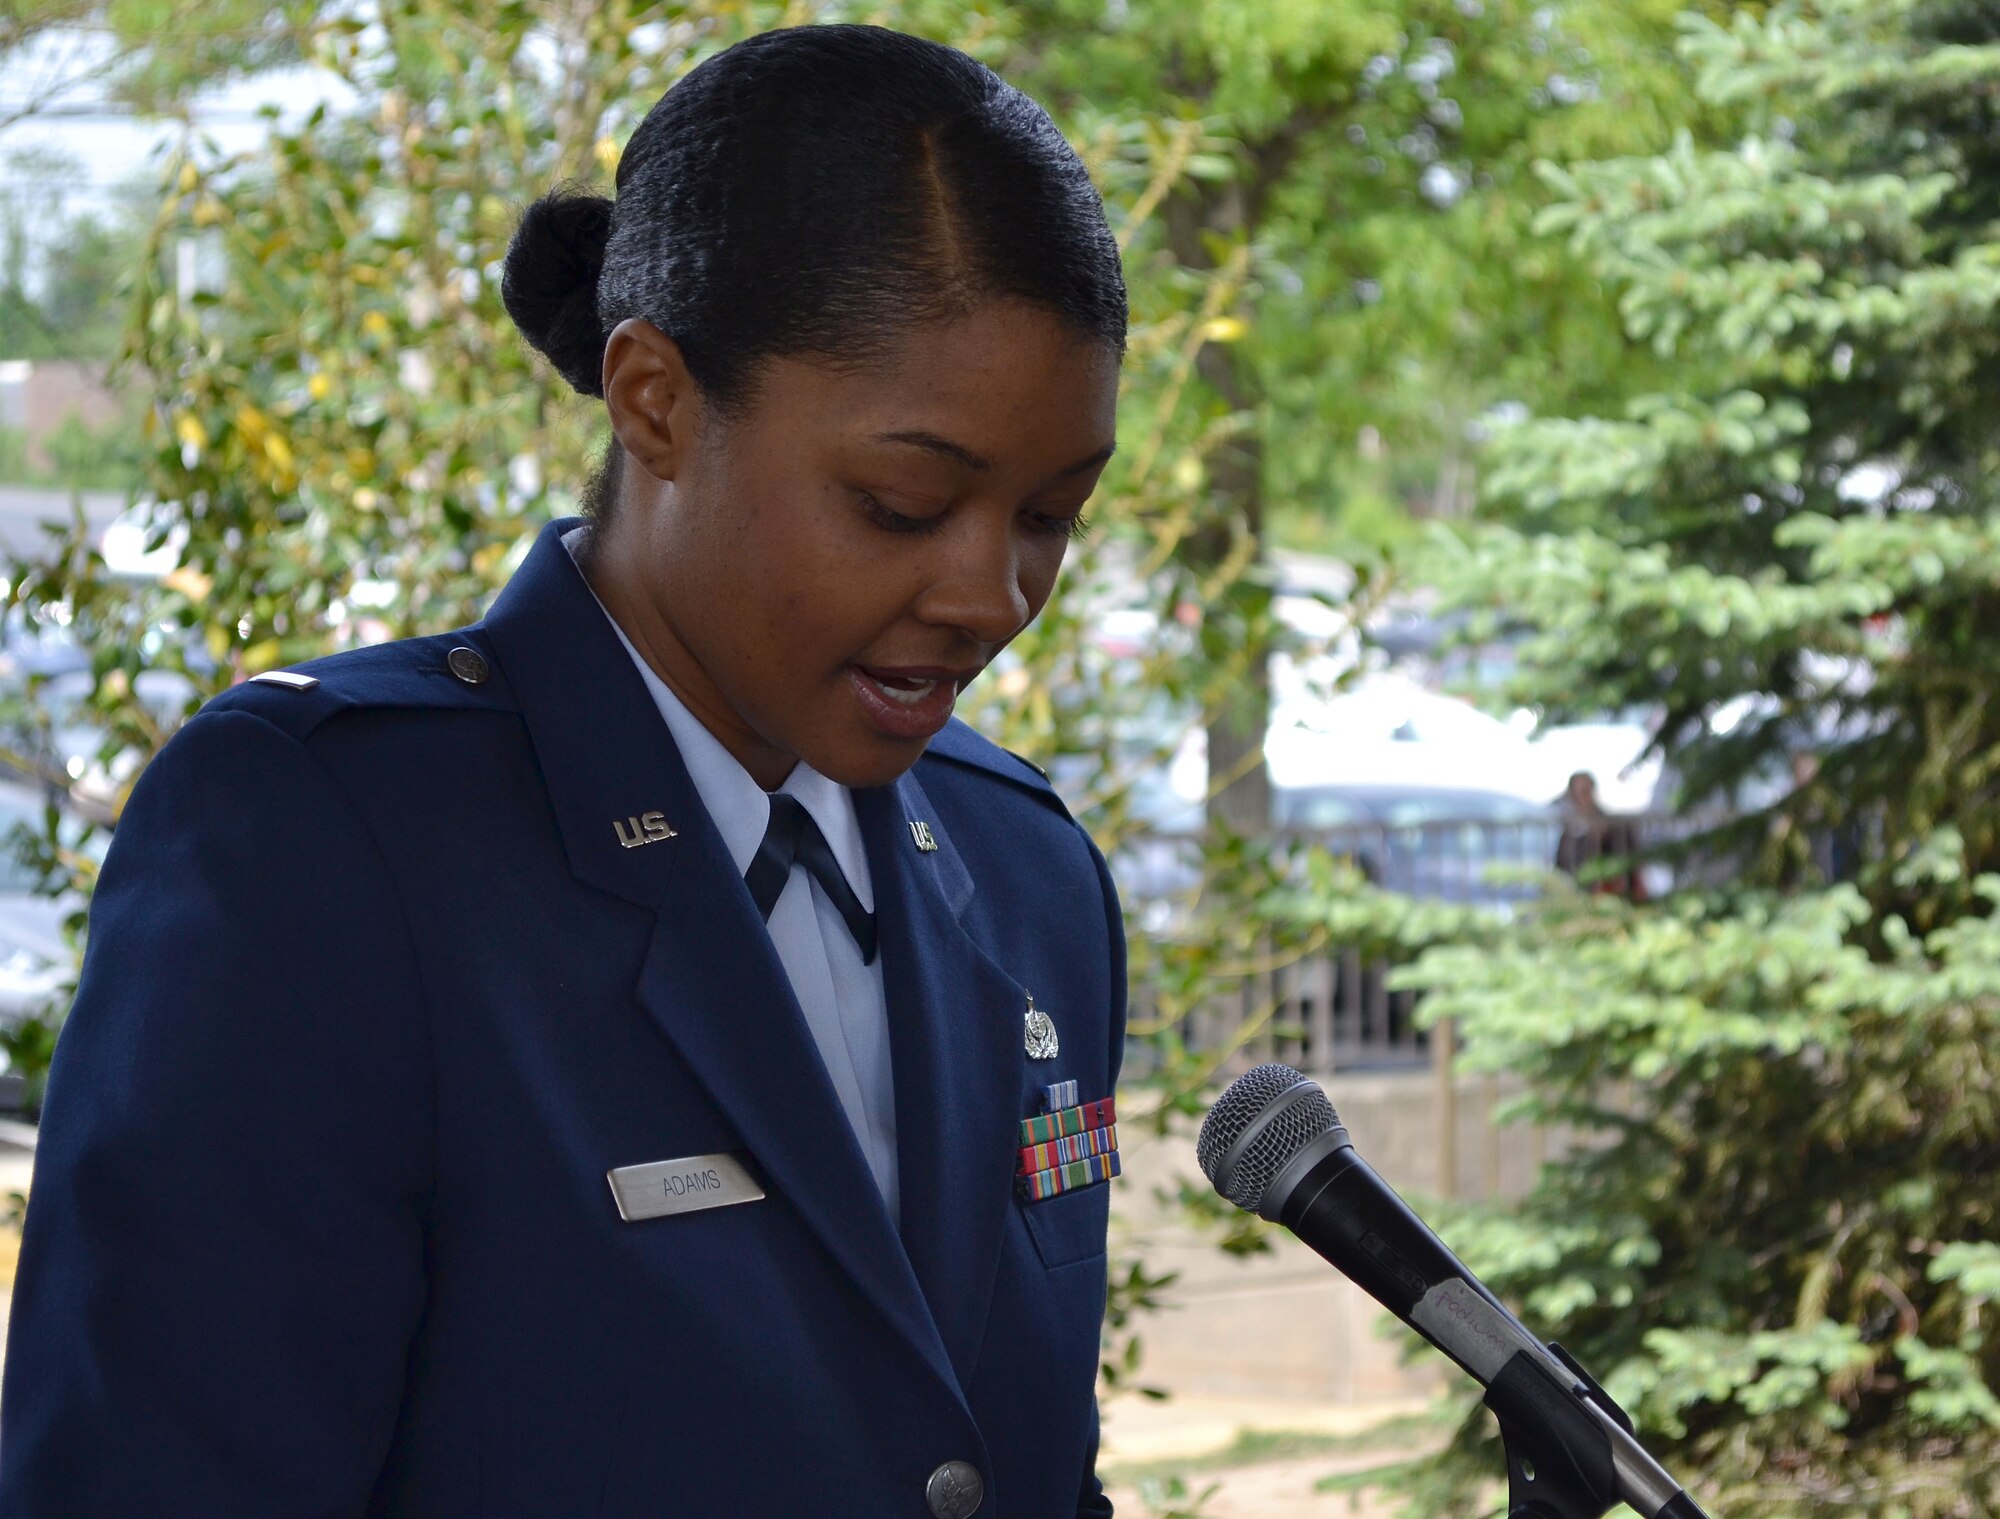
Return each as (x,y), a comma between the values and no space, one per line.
(909,695)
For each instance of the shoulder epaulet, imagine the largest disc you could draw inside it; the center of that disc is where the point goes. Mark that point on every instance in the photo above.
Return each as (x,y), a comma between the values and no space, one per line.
(444,671)
(961,745)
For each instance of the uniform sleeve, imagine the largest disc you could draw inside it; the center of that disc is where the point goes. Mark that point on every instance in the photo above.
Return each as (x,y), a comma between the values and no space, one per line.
(1091,1502)
(222,1265)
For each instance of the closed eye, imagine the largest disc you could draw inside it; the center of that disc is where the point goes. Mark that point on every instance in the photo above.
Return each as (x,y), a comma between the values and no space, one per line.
(892,521)
(1073,527)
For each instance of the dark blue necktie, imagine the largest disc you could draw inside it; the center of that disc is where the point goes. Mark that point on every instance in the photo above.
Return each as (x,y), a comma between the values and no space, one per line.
(793,837)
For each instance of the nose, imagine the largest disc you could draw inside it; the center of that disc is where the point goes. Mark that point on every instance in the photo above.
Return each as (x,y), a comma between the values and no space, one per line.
(976,584)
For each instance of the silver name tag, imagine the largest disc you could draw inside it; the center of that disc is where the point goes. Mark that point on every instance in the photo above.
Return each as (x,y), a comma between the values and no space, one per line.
(686,1185)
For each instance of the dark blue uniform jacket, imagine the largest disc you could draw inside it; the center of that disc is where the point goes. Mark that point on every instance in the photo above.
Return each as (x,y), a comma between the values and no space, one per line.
(376,995)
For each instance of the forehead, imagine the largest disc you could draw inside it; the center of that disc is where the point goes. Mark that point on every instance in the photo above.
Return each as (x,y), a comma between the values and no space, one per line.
(1008,382)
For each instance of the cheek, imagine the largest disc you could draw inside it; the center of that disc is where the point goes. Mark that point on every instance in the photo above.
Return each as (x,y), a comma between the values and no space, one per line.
(807,584)
(1041,563)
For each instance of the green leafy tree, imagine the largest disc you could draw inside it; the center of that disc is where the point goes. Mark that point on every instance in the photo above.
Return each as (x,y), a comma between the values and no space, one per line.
(1776,1240)
(152,56)
(1357,176)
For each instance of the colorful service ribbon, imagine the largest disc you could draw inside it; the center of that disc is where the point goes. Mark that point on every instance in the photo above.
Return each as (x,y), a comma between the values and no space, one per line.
(1067,1147)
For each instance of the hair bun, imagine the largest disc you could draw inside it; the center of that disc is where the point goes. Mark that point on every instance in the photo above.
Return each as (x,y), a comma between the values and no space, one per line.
(549,283)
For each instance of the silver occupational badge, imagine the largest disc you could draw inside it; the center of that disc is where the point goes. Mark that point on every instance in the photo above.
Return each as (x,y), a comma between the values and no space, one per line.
(1041,1033)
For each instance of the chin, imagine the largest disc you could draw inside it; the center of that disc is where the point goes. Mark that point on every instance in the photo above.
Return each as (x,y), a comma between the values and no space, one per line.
(862,766)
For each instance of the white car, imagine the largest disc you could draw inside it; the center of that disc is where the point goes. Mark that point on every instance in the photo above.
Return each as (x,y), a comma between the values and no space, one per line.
(1386,731)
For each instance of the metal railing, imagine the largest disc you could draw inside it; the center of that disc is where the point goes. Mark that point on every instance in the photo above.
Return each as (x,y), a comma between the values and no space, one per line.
(1334,1010)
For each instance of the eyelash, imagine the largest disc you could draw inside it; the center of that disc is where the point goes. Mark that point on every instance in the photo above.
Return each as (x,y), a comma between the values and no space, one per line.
(1071,528)
(1074,528)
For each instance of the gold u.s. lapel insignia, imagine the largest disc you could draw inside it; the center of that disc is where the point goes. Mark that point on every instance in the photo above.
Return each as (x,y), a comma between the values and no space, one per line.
(920,834)
(1040,1031)
(647,828)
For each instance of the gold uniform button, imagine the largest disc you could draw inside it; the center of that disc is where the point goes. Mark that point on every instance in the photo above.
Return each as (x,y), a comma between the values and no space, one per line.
(469,665)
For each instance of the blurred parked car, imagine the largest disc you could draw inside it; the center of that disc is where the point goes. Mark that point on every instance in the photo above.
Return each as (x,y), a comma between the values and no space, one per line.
(1436,843)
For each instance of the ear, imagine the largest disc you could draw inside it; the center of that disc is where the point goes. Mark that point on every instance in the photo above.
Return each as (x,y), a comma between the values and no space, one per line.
(654,403)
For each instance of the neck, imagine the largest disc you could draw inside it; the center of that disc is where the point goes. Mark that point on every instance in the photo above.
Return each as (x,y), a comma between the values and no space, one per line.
(611,567)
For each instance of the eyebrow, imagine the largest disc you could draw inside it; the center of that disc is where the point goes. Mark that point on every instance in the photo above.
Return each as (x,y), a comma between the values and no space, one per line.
(958,453)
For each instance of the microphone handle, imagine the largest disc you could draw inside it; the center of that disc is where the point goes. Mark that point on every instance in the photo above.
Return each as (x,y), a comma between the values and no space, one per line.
(1338,1204)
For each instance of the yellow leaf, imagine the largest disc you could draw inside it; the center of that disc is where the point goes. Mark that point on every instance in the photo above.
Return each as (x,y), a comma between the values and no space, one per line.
(487,559)
(188,428)
(190,582)
(207,211)
(319,387)
(278,451)
(189,179)
(1223,329)
(606,153)
(375,325)
(250,422)
(218,643)
(261,656)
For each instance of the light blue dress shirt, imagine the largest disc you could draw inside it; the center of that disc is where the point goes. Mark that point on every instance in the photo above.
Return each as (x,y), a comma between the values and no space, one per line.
(844,1001)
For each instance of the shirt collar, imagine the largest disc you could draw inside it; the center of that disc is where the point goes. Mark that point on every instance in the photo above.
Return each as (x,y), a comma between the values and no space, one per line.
(736,804)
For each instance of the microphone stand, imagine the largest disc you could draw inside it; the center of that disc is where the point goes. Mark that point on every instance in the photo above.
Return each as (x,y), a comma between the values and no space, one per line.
(1566,1444)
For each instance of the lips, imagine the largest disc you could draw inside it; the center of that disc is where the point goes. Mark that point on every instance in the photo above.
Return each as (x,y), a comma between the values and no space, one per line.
(907,702)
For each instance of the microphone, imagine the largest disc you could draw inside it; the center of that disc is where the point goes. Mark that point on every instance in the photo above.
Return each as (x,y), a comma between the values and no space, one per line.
(1274,1146)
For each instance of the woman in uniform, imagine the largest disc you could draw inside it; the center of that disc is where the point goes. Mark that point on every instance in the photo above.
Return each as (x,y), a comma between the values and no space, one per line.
(638,1055)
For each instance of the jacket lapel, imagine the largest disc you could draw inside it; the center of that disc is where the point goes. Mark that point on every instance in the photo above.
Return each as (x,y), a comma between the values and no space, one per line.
(955,1032)
(712,979)
(715,985)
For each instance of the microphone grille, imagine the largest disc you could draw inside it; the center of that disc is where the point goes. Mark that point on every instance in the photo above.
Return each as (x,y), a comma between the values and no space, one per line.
(1276,1139)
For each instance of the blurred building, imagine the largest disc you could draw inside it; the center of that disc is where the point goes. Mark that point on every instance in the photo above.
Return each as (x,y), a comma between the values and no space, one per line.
(37,396)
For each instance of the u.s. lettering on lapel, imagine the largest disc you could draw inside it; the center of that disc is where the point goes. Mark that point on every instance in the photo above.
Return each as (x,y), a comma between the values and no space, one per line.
(646,828)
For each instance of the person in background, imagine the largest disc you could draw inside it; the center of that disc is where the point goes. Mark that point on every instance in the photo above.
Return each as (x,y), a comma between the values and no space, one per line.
(1597,848)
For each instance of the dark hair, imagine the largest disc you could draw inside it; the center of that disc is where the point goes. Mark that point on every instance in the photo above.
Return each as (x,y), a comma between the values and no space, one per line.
(815,191)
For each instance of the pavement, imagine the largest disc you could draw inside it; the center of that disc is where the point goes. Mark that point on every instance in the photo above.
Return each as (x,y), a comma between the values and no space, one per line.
(1252,1458)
